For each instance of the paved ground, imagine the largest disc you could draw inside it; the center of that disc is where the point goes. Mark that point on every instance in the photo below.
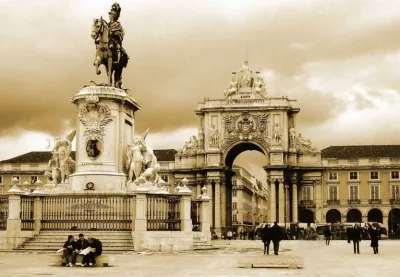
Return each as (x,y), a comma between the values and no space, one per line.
(319,260)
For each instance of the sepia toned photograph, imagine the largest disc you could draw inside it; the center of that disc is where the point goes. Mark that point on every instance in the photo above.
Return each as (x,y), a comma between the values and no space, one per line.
(200,138)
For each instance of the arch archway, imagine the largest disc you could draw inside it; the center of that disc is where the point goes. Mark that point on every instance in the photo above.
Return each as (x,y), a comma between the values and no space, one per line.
(354,215)
(375,215)
(306,216)
(394,221)
(333,216)
(229,158)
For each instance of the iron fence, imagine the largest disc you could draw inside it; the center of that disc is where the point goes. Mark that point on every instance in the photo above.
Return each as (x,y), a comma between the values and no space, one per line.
(87,213)
(163,212)
(195,215)
(27,210)
(3,212)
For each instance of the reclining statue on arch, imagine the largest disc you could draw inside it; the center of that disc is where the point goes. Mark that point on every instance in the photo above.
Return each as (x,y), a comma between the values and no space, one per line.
(140,158)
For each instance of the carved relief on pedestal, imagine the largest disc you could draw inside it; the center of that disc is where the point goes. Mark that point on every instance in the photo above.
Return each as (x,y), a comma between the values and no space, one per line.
(94,117)
(245,127)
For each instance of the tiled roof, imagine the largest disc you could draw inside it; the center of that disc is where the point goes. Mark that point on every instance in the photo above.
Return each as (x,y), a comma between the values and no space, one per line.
(45,156)
(361,151)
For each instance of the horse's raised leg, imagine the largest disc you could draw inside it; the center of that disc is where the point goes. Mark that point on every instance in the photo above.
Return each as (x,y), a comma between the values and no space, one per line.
(109,63)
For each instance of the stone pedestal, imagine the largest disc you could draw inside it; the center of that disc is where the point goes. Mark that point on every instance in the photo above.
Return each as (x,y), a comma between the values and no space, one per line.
(105,127)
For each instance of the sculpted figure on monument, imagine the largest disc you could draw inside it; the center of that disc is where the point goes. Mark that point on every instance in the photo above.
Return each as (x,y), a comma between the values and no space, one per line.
(190,146)
(233,86)
(61,164)
(214,136)
(305,145)
(201,138)
(277,133)
(246,79)
(260,85)
(108,39)
(139,157)
(292,135)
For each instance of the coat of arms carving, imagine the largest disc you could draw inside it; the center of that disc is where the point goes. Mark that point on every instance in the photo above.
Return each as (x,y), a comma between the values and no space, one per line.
(94,117)
(244,127)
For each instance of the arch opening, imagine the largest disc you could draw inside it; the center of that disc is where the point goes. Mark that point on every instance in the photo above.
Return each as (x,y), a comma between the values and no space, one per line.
(354,215)
(306,216)
(375,215)
(333,216)
(394,222)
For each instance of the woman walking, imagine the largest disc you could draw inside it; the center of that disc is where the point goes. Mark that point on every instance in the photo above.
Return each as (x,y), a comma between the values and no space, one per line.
(373,232)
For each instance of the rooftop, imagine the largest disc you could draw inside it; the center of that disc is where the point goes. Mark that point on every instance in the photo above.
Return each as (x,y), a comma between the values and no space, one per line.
(164,155)
(361,151)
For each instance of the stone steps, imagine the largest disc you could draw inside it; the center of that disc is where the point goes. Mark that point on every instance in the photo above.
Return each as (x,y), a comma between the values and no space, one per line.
(49,241)
(203,245)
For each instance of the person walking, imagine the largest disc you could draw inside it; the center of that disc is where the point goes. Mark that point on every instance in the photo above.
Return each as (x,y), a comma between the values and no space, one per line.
(356,236)
(374,234)
(328,235)
(276,236)
(266,238)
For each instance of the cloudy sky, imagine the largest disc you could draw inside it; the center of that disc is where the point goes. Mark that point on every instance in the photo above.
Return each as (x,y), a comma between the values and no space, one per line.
(339,59)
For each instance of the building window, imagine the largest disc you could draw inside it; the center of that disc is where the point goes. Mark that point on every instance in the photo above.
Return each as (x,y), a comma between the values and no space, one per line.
(164,177)
(1,180)
(353,192)
(333,176)
(374,192)
(34,179)
(394,175)
(374,175)
(234,218)
(234,193)
(34,165)
(15,177)
(353,175)
(234,182)
(395,191)
(307,193)
(333,192)
(234,205)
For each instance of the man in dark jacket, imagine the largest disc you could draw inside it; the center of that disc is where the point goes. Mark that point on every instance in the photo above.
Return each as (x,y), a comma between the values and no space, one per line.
(97,249)
(276,236)
(328,235)
(81,244)
(69,252)
(266,238)
(356,236)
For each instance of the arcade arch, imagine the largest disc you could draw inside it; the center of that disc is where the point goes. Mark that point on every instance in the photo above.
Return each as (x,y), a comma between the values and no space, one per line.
(354,215)
(306,216)
(333,216)
(375,215)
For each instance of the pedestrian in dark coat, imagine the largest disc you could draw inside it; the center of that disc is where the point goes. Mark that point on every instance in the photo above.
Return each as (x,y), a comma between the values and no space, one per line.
(373,233)
(356,237)
(328,235)
(276,236)
(349,232)
(266,238)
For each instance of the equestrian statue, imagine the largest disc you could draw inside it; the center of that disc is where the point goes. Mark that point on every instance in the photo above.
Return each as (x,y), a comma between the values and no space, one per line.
(108,37)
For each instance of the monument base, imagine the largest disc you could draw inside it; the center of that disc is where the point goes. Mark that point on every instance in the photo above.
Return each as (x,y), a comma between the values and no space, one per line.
(98,181)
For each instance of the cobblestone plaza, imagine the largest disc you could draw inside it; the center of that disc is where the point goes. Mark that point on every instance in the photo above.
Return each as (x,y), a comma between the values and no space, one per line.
(336,259)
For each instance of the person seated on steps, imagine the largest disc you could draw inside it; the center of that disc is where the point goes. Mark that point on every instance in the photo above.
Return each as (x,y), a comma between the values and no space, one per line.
(69,254)
(80,245)
(97,249)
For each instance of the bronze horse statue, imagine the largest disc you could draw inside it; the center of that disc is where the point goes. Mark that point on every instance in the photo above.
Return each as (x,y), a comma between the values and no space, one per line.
(106,54)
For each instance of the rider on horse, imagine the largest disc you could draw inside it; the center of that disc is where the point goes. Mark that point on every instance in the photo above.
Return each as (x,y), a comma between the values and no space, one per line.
(116,32)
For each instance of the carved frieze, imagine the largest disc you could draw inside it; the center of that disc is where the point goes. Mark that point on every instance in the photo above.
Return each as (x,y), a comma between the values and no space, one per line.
(245,127)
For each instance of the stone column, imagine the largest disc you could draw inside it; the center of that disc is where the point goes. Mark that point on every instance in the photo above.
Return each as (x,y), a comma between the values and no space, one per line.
(37,214)
(294,203)
(272,202)
(281,202)
(287,206)
(198,190)
(139,238)
(186,221)
(133,213)
(223,207)
(217,205)
(210,194)
(205,219)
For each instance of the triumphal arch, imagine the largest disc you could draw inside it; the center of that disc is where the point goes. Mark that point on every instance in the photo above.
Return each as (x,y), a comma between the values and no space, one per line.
(246,118)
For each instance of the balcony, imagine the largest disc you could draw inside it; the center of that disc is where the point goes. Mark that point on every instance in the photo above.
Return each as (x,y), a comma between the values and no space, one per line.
(375,201)
(354,201)
(307,203)
(333,202)
(395,201)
